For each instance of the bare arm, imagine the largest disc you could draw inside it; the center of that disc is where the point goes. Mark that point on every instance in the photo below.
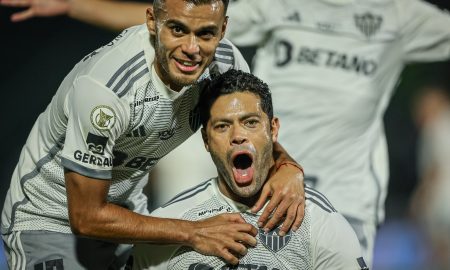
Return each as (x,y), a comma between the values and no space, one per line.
(91,215)
(286,192)
(113,15)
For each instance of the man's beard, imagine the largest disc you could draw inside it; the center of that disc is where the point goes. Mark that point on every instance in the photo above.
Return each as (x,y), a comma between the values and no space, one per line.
(173,80)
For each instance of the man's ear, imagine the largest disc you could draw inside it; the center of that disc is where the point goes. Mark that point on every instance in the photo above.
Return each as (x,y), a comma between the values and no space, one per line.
(151,21)
(205,139)
(275,128)
(224,27)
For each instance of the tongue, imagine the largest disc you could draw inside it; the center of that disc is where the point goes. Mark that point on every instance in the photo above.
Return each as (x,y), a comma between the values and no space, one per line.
(243,176)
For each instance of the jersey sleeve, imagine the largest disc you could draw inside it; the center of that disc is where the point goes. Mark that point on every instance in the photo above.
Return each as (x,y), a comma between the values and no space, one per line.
(96,118)
(247,22)
(424,31)
(334,243)
(239,61)
(227,57)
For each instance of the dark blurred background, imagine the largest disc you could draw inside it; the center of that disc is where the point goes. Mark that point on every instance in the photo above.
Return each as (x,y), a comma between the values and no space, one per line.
(35,55)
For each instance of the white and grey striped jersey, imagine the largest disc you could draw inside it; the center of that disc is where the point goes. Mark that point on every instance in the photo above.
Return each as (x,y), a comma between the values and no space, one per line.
(332,66)
(111,118)
(324,241)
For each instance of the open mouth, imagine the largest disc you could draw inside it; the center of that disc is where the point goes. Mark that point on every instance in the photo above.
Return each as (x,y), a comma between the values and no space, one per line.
(242,168)
(186,66)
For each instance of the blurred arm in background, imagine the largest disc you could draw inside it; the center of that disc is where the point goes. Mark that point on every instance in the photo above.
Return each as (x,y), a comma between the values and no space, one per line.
(113,15)
(429,204)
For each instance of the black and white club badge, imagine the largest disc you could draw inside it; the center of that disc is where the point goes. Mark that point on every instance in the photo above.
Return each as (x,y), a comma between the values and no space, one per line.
(368,23)
(273,241)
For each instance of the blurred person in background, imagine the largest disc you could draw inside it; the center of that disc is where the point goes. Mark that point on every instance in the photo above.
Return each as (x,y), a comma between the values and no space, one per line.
(332,66)
(431,199)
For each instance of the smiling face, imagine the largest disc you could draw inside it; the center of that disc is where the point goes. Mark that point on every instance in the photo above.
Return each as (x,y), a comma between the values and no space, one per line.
(185,39)
(239,137)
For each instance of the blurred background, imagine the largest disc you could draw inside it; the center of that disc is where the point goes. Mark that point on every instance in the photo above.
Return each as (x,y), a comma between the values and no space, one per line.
(36,54)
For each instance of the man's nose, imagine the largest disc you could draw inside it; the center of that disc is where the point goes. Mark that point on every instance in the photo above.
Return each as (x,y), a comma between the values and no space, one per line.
(238,137)
(190,46)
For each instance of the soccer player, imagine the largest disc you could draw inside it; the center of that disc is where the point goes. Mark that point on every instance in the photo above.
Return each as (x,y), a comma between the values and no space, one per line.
(238,131)
(332,66)
(76,197)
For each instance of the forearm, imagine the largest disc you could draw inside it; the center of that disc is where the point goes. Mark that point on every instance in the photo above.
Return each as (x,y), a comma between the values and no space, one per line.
(113,15)
(114,223)
(281,157)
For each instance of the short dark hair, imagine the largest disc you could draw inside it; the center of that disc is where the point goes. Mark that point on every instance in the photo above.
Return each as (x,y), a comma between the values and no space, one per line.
(230,82)
(159,4)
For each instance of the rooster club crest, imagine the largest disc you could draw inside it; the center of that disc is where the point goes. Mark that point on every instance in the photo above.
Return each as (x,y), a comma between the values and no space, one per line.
(273,241)
(368,23)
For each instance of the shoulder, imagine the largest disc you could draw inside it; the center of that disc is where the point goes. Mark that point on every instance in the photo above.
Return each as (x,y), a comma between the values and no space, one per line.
(227,56)
(317,201)
(334,243)
(121,62)
(186,200)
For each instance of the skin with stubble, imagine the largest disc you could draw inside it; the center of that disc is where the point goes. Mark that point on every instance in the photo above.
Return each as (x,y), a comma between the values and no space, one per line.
(185,37)
(239,137)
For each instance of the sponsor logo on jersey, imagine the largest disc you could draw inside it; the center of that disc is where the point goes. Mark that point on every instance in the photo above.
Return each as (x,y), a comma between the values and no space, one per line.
(218,210)
(368,23)
(103,117)
(138,132)
(145,100)
(138,162)
(166,134)
(273,241)
(92,159)
(96,144)
(287,54)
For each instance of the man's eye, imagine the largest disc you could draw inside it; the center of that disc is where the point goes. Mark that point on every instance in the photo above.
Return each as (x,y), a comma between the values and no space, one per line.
(206,35)
(251,123)
(177,30)
(221,127)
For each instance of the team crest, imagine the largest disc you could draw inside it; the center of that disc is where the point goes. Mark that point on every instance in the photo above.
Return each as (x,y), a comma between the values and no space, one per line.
(368,23)
(103,117)
(273,241)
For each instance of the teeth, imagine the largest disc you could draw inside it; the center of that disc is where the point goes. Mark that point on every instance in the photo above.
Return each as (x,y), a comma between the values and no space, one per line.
(188,64)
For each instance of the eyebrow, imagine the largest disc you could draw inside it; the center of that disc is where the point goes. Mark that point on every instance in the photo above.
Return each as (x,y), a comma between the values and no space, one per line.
(242,117)
(172,22)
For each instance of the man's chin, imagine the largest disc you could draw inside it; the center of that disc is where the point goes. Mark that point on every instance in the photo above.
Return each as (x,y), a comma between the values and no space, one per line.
(182,81)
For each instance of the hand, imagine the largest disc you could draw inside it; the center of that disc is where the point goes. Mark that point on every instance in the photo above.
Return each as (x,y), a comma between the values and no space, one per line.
(287,200)
(226,236)
(37,8)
